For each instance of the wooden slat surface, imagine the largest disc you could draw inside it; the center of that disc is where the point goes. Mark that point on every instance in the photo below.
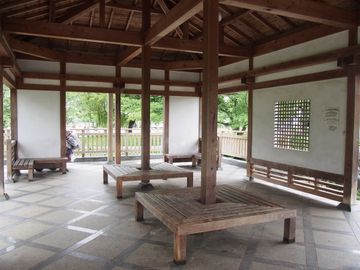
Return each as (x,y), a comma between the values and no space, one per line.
(158,171)
(181,211)
(23,164)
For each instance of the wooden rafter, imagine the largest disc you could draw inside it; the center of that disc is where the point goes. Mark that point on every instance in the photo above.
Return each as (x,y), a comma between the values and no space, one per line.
(76,12)
(179,14)
(307,10)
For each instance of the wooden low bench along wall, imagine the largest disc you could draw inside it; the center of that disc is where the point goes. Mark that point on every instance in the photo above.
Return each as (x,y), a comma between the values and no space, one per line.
(323,184)
(181,211)
(121,173)
(14,165)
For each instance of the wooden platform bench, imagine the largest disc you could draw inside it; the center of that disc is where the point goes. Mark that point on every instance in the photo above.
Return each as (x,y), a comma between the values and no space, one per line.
(122,173)
(181,211)
(171,158)
(14,164)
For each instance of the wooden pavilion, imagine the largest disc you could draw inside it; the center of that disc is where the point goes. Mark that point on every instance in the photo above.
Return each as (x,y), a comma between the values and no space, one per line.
(282,52)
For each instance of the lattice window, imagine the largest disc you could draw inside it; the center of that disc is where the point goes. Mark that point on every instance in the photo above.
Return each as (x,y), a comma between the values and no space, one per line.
(292,124)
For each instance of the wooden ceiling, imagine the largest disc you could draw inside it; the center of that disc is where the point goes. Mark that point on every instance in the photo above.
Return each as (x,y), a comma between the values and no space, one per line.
(240,27)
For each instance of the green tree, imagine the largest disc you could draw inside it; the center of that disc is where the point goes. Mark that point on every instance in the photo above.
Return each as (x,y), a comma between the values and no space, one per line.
(232,111)
(92,108)
(6,108)
(87,107)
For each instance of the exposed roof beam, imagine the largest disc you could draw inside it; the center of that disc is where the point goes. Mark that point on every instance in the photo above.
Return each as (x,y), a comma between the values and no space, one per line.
(72,32)
(129,54)
(97,35)
(301,35)
(179,14)
(195,46)
(132,8)
(76,12)
(307,10)
(35,50)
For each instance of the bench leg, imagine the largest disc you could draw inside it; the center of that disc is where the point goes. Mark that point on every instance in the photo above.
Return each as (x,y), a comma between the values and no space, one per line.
(190,181)
(193,161)
(139,210)
(105,178)
(289,230)
(31,174)
(119,188)
(63,168)
(179,249)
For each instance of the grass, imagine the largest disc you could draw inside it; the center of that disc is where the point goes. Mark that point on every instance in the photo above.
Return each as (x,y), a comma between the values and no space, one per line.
(358,195)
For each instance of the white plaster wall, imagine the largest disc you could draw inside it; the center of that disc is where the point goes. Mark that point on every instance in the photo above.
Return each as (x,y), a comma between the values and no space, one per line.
(89,84)
(313,47)
(38,124)
(184,76)
(230,84)
(85,69)
(41,81)
(326,147)
(183,125)
(182,88)
(298,72)
(38,66)
(234,68)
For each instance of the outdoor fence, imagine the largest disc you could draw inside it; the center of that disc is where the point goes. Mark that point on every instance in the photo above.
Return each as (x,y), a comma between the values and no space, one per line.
(94,142)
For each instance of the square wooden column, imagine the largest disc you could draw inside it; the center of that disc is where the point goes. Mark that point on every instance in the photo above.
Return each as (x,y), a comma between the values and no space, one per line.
(166,115)
(63,109)
(250,82)
(118,116)
(13,112)
(352,129)
(209,101)
(145,96)
(2,177)
(110,157)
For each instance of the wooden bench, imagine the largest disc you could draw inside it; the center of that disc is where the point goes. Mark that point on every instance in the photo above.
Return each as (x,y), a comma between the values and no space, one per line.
(181,211)
(171,158)
(121,173)
(14,164)
(194,158)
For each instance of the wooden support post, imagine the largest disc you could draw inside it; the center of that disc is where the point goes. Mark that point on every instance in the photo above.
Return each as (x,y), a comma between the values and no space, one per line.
(250,120)
(118,117)
(2,177)
(110,156)
(289,230)
(166,115)
(63,109)
(209,101)
(13,112)
(102,13)
(179,249)
(145,96)
(352,133)
(52,10)
(139,210)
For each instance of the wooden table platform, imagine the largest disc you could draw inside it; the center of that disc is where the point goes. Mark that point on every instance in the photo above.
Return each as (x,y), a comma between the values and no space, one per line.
(181,211)
(123,173)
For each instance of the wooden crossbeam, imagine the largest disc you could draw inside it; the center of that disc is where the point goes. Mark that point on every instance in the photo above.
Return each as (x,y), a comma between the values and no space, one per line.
(72,32)
(35,50)
(302,35)
(76,12)
(307,10)
(97,35)
(179,14)
(133,8)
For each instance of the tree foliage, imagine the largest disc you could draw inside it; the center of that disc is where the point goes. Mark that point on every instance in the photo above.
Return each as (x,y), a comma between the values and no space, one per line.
(92,108)
(232,111)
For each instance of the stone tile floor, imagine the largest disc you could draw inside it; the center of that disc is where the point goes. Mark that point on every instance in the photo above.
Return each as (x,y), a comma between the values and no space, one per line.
(73,221)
